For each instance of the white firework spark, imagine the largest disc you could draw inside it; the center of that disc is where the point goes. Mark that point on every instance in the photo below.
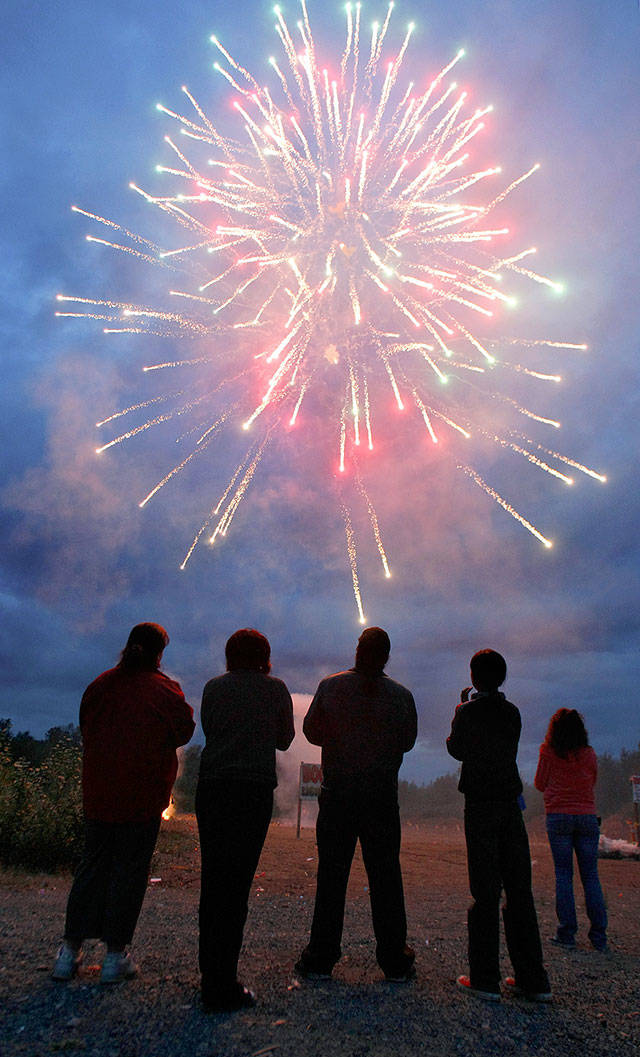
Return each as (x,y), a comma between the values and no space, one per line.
(354,243)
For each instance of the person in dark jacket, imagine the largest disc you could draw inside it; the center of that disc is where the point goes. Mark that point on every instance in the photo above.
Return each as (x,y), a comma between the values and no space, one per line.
(484,735)
(364,722)
(132,719)
(246,715)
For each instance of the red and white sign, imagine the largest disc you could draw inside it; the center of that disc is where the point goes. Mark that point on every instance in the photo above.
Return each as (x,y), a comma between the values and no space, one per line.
(310,781)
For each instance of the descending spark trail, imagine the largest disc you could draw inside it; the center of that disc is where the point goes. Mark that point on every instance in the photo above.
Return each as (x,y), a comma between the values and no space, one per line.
(343,232)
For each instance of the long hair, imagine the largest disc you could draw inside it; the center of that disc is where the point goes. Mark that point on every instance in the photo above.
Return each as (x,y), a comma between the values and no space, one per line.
(566,733)
(372,653)
(144,645)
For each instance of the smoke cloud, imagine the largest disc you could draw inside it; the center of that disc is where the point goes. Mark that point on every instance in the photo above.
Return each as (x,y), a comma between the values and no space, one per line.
(300,751)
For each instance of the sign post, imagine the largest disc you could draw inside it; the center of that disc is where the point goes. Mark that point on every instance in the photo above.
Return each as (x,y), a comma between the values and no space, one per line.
(308,787)
(635,792)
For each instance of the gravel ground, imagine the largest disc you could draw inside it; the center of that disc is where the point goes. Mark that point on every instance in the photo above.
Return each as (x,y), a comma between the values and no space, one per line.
(596,1008)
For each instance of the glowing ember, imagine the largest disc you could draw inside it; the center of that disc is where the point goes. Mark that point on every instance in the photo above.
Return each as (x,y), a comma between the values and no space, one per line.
(344,231)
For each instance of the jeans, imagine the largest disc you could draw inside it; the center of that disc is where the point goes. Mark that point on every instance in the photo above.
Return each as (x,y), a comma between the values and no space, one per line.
(233,819)
(498,857)
(111,881)
(371,816)
(579,833)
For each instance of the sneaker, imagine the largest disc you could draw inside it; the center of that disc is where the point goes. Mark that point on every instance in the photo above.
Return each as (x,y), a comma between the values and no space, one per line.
(311,970)
(405,970)
(464,983)
(402,977)
(239,997)
(531,996)
(569,945)
(117,966)
(67,963)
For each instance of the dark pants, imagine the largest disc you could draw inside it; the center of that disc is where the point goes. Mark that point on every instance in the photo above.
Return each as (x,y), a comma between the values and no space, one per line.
(343,818)
(233,819)
(109,885)
(498,857)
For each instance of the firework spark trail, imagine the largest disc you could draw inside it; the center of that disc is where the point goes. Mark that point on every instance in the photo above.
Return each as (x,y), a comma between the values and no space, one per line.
(505,505)
(576,465)
(353,561)
(375,526)
(227,517)
(333,236)
(137,407)
(201,446)
(212,513)
(532,458)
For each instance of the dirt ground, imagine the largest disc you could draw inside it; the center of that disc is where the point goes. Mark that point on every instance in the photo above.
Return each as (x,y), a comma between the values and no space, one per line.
(596,1008)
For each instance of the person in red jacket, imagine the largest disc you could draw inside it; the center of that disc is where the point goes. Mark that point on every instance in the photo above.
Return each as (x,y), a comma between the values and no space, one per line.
(132,719)
(566,775)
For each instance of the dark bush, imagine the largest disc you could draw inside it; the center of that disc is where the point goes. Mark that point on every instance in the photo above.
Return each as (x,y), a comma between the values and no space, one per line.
(41,808)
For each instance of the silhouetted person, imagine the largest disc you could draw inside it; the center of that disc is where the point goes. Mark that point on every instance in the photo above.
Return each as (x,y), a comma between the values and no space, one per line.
(132,718)
(566,775)
(364,722)
(484,734)
(246,715)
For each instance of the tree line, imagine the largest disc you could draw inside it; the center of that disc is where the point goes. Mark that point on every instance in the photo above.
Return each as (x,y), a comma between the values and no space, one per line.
(437,799)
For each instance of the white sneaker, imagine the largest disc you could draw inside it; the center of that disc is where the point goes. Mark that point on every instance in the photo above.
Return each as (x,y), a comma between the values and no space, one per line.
(67,963)
(117,966)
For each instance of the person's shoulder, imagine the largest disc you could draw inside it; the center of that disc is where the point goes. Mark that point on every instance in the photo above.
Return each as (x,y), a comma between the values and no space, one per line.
(396,688)
(278,685)
(509,705)
(217,682)
(112,675)
(350,675)
(334,687)
(166,682)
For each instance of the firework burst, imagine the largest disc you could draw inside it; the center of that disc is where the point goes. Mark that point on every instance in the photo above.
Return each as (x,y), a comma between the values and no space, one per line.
(339,249)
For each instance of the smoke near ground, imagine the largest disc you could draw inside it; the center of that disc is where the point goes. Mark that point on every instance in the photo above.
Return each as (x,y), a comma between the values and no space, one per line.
(288,766)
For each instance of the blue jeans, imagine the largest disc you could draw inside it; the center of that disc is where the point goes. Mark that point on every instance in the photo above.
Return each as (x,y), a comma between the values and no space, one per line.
(579,833)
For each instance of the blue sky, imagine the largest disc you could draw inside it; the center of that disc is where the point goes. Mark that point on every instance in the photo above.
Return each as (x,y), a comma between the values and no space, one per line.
(81,562)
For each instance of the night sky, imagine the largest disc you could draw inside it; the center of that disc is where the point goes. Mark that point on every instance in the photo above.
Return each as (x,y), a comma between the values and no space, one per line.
(81,563)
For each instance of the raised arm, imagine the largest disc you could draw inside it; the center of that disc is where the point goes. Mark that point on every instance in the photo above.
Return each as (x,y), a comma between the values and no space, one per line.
(410,725)
(541,779)
(314,721)
(456,742)
(180,714)
(286,731)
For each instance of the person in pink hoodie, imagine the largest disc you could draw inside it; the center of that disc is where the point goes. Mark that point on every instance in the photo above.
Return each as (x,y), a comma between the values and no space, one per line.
(566,776)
